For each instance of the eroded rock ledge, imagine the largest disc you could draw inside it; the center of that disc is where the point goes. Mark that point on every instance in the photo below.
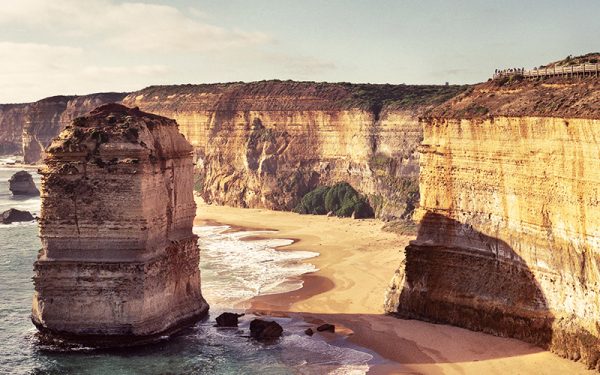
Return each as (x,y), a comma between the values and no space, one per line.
(119,263)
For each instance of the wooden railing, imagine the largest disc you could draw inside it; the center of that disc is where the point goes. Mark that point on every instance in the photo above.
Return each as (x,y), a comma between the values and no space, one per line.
(573,70)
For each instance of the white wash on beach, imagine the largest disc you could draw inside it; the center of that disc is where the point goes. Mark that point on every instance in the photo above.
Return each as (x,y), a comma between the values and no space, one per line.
(235,270)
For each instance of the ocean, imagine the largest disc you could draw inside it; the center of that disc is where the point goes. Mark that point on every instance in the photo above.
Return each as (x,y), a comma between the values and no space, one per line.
(235,266)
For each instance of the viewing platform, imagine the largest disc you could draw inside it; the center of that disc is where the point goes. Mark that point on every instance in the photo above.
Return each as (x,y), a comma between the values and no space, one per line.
(581,70)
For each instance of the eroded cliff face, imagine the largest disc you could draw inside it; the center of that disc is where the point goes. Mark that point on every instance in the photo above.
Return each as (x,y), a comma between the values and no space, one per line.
(119,263)
(45,119)
(266,144)
(12,118)
(509,238)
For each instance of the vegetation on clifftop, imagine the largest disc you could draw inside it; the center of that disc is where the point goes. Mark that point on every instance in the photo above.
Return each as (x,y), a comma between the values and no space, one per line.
(376,97)
(589,58)
(294,95)
(341,199)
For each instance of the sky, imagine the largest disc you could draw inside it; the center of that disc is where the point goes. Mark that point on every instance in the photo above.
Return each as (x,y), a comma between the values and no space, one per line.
(51,47)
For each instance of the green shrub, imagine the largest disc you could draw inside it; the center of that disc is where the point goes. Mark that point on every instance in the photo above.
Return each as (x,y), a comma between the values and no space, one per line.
(198,181)
(341,199)
(313,202)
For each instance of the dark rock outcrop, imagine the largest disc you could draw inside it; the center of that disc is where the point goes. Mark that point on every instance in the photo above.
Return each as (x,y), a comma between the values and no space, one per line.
(21,183)
(264,330)
(13,216)
(228,319)
(326,328)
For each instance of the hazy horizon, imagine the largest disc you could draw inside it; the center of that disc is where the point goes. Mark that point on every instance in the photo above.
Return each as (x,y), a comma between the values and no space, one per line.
(68,47)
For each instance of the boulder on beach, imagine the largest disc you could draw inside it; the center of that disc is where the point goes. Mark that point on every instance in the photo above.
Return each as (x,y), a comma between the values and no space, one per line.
(263,330)
(21,183)
(326,328)
(13,215)
(228,319)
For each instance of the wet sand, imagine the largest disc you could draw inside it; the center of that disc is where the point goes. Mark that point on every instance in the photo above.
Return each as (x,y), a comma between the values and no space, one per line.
(356,262)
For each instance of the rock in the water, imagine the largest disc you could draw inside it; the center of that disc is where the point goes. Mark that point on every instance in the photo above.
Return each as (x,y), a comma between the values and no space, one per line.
(309,331)
(326,328)
(13,215)
(21,183)
(228,319)
(264,330)
(119,263)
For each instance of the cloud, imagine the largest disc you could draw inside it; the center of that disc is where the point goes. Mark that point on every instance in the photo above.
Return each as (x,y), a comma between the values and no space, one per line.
(31,71)
(127,45)
(130,26)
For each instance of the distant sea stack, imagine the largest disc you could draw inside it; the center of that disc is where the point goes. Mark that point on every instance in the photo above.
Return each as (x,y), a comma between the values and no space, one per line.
(119,263)
(21,183)
(509,215)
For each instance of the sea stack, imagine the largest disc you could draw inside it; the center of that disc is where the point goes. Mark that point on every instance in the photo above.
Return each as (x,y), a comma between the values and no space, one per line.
(119,263)
(21,183)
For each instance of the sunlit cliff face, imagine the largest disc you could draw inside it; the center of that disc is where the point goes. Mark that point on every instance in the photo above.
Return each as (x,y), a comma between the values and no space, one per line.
(509,241)
(267,144)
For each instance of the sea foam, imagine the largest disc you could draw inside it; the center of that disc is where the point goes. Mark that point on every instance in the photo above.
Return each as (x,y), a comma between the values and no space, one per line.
(234,270)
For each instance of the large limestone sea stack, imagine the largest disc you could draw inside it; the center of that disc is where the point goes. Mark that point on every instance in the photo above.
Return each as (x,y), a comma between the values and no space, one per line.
(119,262)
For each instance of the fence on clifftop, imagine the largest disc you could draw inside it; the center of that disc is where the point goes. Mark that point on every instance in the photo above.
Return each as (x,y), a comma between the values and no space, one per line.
(582,70)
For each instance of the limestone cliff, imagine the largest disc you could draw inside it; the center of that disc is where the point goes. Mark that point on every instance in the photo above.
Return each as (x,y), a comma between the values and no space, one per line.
(12,118)
(266,144)
(43,120)
(509,238)
(119,262)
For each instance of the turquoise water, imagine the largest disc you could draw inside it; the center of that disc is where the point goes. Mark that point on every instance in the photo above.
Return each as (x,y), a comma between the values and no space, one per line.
(201,349)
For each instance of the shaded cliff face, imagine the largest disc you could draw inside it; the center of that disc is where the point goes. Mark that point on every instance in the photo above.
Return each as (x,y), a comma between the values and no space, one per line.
(12,118)
(119,262)
(509,234)
(266,144)
(44,119)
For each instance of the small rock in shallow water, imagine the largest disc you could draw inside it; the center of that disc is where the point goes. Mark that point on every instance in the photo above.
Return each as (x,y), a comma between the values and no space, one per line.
(13,215)
(21,183)
(228,319)
(309,332)
(263,330)
(326,327)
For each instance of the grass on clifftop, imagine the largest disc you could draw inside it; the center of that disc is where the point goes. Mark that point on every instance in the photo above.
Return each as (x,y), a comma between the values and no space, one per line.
(326,96)
(341,199)
(375,97)
(588,58)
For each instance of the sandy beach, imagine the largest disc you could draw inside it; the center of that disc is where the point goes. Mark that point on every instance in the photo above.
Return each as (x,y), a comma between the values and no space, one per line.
(356,262)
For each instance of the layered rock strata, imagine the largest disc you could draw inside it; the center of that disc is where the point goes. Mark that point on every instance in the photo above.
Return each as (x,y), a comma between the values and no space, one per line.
(509,238)
(266,144)
(119,263)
